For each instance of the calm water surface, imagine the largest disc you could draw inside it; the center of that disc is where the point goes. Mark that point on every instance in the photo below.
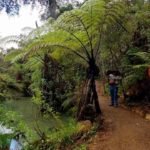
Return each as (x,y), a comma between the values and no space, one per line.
(30,113)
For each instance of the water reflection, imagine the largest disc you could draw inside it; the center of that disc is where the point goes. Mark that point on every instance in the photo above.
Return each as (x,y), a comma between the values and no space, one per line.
(30,113)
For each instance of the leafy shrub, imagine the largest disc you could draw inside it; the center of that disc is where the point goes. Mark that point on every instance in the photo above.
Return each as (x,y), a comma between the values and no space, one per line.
(81,147)
(5,141)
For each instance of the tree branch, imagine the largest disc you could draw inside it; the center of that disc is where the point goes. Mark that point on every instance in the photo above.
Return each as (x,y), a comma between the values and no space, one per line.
(83,46)
(99,43)
(63,46)
(85,28)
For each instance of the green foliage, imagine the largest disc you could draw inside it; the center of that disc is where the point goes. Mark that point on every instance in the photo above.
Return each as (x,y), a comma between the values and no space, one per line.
(13,54)
(135,64)
(66,8)
(51,62)
(57,137)
(126,47)
(5,141)
(64,134)
(81,147)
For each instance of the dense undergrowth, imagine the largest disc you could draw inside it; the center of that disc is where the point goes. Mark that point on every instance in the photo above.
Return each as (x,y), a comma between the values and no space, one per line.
(57,69)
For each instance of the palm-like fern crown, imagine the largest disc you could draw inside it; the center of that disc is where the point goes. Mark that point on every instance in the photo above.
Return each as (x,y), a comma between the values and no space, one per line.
(80,31)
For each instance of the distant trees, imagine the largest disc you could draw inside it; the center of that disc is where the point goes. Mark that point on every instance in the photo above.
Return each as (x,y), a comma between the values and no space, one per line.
(12,7)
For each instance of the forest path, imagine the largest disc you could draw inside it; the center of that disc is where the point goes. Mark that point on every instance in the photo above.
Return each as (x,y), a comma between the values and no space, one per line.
(125,129)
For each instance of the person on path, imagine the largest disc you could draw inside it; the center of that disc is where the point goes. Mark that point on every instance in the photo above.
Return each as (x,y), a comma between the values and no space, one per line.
(113,87)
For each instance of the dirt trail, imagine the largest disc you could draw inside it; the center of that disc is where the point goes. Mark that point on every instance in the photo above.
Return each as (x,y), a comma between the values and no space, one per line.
(125,131)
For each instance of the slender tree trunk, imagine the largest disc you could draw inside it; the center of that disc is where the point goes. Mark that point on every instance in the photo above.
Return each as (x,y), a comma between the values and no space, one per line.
(52,9)
(45,89)
(46,76)
(89,106)
(51,84)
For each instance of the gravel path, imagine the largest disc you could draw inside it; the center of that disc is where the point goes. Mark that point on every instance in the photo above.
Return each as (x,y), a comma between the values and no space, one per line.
(125,129)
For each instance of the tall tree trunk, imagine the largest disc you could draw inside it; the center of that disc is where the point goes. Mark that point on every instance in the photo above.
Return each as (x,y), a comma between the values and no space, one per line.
(51,90)
(52,9)
(89,106)
(46,76)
